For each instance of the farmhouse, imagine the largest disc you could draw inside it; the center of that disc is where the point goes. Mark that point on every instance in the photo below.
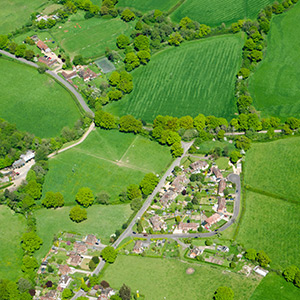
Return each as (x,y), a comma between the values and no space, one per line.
(42,46)
(64,269)
(167,197)
(157,223)
(140,246)
(213,219)
(222,187)
(29,155)
(91,240)
(221,205)
(87,74)
(46,61)
(69,76)
(217,172)
(80,248)
(74,260)
(179,183)
(18,163)
(198,166)
(184,227)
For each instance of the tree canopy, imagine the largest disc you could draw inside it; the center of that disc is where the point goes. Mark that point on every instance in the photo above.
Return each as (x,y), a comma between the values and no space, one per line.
(224,293)
(31,242)
(148,183)
(85,197)
(78,214)
(109,254)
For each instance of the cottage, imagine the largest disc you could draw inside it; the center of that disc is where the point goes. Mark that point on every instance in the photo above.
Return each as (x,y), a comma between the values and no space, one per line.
(140,246)
(64,269)
(195,252)
(222,187)
(213,219)
(80,248)
(41,45)
(157,223)
(29,155)
(91,240)
(167,198)
(199,166)
(179,183)
(49,62)
(64,281)
(69,75)
(74,260)
(221,205)
(185,227)
(87,74)
(216,172)
(18,163)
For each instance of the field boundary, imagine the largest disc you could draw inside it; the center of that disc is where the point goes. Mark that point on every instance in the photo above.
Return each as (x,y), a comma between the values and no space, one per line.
(175,7)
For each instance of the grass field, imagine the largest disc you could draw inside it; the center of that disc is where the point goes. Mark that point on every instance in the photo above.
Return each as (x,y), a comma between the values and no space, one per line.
(13,226)
(275,84)
(16,13)
(89,37)
(275,287)
(197,77)
(107,161)
(101,220)
(167,279)
(34,102)
(148,5)
(216,12)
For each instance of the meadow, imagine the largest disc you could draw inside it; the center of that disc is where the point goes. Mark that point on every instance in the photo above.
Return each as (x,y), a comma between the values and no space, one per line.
(167,279)
(35,103)
(197,77)
(101,220)
(148,5)
(106,161)
(16,13)
(91,37)
(11,253)
(216,12)
(275,84)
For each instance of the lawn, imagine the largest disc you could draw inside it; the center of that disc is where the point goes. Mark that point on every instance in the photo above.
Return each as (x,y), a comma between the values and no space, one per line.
(275,287)
(148,5)
(16,13)
(101,220)
(35,103)
(13,226)
(167,279)
(106,161)
(275,84)
(197,77)
(216,12)
(91,37)
(274,167)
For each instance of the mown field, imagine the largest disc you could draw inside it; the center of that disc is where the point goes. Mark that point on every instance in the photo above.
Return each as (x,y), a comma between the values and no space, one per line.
(216,12)
(89,38)
(16,13)
(167,279)
(107,161)
(275,287)
(148,5)
(275,84)
(101,220)
(12,227)
(34,102)
(197,77)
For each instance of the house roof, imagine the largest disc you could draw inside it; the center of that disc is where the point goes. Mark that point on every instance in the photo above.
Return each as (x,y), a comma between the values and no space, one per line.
(41,45)
(79,247)
(64,269)
(222,186)
(48,62)
(221,204)
(69,75)
(217,172)
(91,239)
(187,226)
(199,164)
(213,219)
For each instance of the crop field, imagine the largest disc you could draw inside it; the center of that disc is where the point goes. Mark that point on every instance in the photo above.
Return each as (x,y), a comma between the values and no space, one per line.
(35,103)
(101,220)
(197,77)
(106,161)
(275,84)
(275,287)
(167,279)
(216,12)
(13,226)
(89,38)
(148,5)
(16,13)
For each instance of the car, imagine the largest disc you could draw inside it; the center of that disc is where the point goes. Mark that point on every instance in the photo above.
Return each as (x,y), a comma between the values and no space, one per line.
(134,232)
(145,234)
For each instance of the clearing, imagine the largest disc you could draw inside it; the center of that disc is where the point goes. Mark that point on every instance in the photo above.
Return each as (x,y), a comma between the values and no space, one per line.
(167,279)
(11,253)
(275,84)
(197,77)
(35,103)
(148,5)
(106,161)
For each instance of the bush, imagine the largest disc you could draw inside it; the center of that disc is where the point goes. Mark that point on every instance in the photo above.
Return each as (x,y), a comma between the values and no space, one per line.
(78,214)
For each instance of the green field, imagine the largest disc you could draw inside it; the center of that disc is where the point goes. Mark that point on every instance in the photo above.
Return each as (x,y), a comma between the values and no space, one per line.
(89,38)
(167,279)
(34,102)
(216,12)
(101,220)
(275,287)
(16,13)
(275,84)
(148,5)
(197,77)
(12,227)
(107,161)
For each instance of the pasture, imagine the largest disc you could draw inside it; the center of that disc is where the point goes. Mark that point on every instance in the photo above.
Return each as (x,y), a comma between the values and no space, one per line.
(167,279)
(216,12)
(101,220)
(89,38)
(106,161)
(35,103)
(11,253)
(148,5)
(275,84)
(16,13)
(197,77)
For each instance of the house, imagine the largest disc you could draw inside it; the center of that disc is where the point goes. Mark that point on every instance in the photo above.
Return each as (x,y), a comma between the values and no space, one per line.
(224,249)
(179,183)
(29,155)
(51,295)
(80,248)
(106,293)
(64,269)
(69,76)
(140,246)
(222,187)
(216,172)
(87,74)
(91,240)
(185,227)
(41,45)
(221,205)
(260,271)
(167,197)
(18,163)
(213,219)
(195,252)
(74,260)
(157,223)
(64,281)
(198,166)
(46,61)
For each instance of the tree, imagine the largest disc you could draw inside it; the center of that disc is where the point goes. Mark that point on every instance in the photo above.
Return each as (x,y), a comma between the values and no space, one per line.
(79,60)
(114,78)
(125,85)
(131,61)
(27,202)
(125,292)
(105,120)
(176,150)
(31,242)
(85,197)
(204,30)
(114,95)
(251,254)
(224,293)
(109,254)
(148,183)
(199,122)
(141,42)
(133,192)
(67,294)
(29,54)
(144,56)
(130,124)
(92,265)
(136,204)
(243,142)
(263,259)
(297,280)
(34,189)
(103,198)
(235,156)
(175,39)
(127,15)
(53,200)
(244,103)
(96,260)
(173,137)
(78,214)
(139,226)
(244,72)
(24,285)
(122,41)
(255,55)
(29,263)
(115,297)
(294,123)
(290,272)
(186,122)
(3,41)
